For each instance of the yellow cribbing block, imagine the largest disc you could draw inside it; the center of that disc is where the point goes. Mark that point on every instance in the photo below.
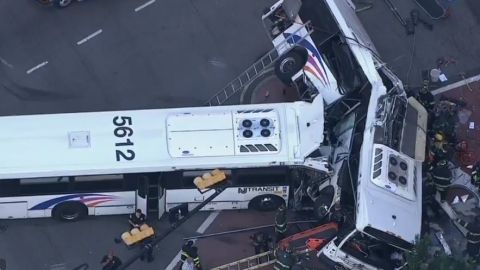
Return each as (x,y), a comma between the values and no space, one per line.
(209,179)
(136,235)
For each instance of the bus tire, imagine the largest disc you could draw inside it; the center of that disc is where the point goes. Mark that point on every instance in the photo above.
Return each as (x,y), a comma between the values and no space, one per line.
(62,3)
(265,203)
(290,64)
(70,211)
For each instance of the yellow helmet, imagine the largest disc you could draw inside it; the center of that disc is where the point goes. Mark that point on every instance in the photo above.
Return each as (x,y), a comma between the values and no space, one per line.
(439,137)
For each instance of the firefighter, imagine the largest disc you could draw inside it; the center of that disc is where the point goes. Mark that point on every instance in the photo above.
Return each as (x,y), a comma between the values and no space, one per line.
(425,97)
(260,242)
(473,238)
(337,215)
(428,202)
(442,177)
(280,223)
(439,146)
(147,244)
(475,175)
(110,262)
(284,258)
(190,251)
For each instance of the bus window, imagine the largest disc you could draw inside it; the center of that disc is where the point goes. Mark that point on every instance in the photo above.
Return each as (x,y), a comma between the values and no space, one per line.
(261,176)
(98,183)
(9,188)
(47,185)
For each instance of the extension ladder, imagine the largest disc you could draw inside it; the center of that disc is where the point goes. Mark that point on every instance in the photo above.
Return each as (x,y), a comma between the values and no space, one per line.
(254,262)
(254,70)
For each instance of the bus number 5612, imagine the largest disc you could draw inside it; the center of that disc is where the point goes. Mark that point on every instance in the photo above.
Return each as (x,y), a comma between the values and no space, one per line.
(123,130)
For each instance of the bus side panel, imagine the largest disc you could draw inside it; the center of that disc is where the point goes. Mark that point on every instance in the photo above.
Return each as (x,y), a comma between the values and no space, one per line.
(108,203)
(13,210)
(231,198)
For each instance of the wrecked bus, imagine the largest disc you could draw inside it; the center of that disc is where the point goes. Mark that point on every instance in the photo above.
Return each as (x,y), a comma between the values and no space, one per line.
(375,135)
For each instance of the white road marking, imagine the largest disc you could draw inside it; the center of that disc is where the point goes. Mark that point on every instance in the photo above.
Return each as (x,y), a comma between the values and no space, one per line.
(98,32)
(6,63)
(37,67)
(208,222)
(200,229)
(144,5)
(456,85)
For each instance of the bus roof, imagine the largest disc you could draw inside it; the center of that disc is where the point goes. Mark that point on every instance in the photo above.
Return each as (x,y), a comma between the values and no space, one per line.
(159,140)
(389,207)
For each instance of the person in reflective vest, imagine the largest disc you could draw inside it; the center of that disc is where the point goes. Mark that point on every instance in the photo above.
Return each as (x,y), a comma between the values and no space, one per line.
(280,223)
(190,251)
(442,178)
(284,258)
(473,238)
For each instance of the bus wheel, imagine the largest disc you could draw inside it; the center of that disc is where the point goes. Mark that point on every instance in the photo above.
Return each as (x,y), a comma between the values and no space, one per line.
(70,211)
(62,3)
(290,63)
(265,202)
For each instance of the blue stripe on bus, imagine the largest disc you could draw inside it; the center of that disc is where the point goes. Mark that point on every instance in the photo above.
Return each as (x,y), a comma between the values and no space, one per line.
(47,204)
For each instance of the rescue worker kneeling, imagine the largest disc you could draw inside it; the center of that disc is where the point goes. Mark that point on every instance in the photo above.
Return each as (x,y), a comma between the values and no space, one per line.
(285,259)
(190,251)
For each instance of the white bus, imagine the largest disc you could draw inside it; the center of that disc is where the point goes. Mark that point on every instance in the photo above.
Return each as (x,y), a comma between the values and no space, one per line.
(377,134)
(100,163)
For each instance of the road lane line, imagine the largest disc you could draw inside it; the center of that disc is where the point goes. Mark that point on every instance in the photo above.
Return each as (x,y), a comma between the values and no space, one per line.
(98,32)
(206,223)
(456,85)
(144,5)
(37,67)
(5,62)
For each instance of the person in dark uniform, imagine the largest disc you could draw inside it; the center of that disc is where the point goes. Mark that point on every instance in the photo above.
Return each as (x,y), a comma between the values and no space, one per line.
(190,251)
(426,98)
(280,223)
(475,175)
(136,219)
(110,262)
(260,242)
(337,215)
(473,238)
(442,178)
(147,245)
(439,147)
(285,259)
(428,202)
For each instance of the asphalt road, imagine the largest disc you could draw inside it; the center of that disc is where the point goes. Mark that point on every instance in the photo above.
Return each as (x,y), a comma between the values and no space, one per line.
(47,244)
(171,53)
(455,38)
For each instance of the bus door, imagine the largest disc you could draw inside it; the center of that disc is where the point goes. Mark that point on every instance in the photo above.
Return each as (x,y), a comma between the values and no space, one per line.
(141,195)
(151,195)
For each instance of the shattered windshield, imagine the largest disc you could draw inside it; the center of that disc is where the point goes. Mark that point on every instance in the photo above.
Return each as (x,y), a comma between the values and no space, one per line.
(390,114)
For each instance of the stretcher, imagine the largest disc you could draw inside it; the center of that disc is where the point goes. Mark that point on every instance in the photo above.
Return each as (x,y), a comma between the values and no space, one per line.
(208,180)
(137,235)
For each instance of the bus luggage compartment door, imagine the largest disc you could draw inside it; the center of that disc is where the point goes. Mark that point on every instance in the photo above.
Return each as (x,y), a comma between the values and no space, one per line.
(13,210)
